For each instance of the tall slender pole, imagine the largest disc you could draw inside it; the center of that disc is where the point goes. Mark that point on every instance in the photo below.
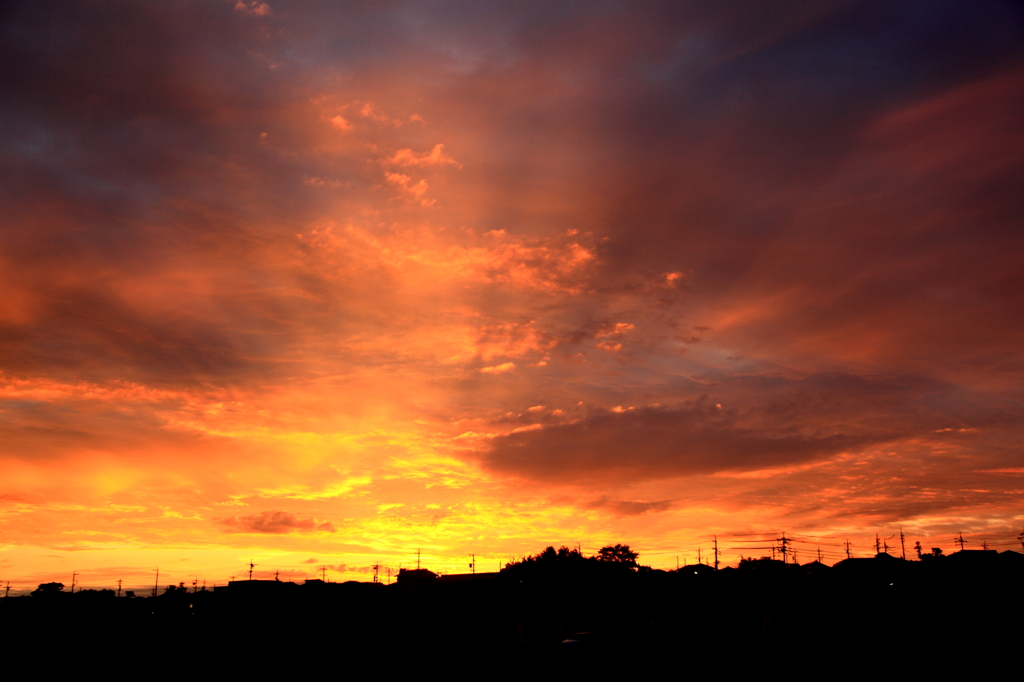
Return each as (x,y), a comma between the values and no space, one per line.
(903,545)
(156,585)
(118,587)
(417,559)
(716,552)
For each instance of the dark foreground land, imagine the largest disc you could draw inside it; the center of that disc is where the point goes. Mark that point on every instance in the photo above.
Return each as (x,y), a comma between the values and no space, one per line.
(862,613)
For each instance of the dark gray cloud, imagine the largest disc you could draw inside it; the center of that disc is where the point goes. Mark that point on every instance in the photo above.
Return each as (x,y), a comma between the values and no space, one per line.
(654,443)
(629,507)
(275,522)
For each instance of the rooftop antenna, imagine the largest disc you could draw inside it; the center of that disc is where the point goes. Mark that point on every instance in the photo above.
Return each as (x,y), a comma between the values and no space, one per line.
(960,541)
(251,566)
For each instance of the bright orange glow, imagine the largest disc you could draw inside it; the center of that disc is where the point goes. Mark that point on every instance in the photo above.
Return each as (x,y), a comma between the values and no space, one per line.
(485,284)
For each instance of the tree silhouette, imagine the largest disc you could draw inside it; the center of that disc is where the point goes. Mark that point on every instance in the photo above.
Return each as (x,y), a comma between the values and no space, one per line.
(48,590)
(618,554)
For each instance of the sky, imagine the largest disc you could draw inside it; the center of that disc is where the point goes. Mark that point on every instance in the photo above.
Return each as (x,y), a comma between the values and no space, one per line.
(317,286)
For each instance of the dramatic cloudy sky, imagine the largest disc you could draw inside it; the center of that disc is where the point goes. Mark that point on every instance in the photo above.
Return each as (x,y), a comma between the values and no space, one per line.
(326,283)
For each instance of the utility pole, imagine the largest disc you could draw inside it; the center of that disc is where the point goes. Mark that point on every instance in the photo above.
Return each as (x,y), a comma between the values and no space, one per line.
(677,563)
(716,552)
(118,587)
(156,585)
(251,566)
(472,564)
(277,577)
(376,573)
(984,544)
(960,541)
(389,575)
(878,547)
(7,592)
(73,577)
(417,559)
(699,560)
(848,555)
(819,555)
(323,572)
(784,546)
(903,545)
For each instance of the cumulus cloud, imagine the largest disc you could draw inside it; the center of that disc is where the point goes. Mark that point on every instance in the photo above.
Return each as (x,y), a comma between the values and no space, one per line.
(274,522)
(435,157)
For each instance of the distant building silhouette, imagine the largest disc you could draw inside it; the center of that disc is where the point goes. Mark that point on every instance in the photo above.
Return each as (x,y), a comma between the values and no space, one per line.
(415,576)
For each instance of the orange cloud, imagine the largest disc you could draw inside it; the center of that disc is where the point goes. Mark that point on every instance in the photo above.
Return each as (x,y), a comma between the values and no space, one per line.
(435,157)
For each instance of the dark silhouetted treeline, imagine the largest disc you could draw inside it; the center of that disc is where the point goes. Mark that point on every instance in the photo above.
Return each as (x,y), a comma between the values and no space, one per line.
(558,607)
